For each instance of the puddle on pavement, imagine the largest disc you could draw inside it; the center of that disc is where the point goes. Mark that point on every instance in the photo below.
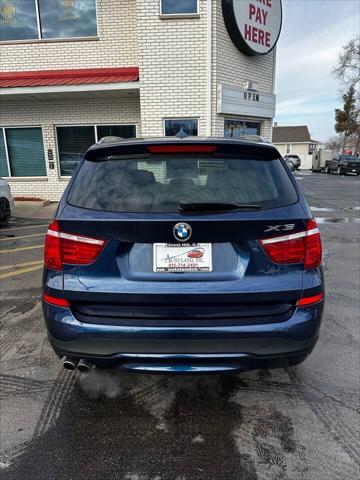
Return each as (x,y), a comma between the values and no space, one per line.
(323,209)
(321,220)
(331,209)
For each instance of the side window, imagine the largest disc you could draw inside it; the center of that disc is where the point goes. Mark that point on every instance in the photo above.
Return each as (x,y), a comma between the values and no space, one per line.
(177,125)
(178,7)
(24,154)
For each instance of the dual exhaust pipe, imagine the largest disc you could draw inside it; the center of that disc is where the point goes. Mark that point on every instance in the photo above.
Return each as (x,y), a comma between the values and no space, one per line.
(71,364)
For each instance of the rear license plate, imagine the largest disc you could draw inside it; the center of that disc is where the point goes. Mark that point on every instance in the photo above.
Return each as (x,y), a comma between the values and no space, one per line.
(354,170)
(177,257)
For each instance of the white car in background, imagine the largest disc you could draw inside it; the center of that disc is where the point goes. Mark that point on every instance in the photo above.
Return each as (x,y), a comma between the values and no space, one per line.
(6,202)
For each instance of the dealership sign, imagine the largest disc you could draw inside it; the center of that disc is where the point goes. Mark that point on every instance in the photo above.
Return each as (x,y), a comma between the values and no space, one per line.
(254,26)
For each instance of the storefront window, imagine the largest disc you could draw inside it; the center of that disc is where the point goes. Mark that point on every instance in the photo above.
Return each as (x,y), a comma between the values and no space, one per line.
(176,125)
(72,144)
(178,7)
(75,140)
(124,131)
(239,128)
(41,19)
(18,20)
(25,152)
(67,18)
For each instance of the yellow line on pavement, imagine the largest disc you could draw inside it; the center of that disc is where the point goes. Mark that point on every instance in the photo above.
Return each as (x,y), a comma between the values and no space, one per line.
(26,264)
(26,226)
(19,272)
(20,249)
(22,236)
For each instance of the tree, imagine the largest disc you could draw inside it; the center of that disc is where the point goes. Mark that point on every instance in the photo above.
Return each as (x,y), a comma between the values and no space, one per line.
(347,120)
(348,66)
(334,143)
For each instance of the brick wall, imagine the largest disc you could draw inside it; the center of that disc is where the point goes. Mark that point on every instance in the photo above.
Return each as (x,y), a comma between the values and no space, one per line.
(47,114)
(116,45)
(172,61)
(232,67)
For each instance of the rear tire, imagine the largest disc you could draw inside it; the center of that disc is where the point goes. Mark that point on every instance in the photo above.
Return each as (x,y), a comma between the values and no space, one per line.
(5,212)
(339,171)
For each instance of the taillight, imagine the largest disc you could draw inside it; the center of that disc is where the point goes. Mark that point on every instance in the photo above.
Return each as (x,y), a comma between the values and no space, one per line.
(302,247)
(67,248)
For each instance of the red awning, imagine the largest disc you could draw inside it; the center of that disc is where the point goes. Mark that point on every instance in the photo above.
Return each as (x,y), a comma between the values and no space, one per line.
(68,77)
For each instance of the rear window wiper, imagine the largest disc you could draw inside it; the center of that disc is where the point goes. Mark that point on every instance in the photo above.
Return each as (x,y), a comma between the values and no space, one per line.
(214,207)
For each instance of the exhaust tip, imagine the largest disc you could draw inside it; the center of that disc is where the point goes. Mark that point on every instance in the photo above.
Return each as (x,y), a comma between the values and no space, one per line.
(68,363)
(84,366)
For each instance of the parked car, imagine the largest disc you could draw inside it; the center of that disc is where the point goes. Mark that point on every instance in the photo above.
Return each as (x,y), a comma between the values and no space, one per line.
(290,165)
(6,202)
(343,164)
(295,159)
(194,255)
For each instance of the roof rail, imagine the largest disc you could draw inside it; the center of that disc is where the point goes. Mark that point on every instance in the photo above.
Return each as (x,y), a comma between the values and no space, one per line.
(254,138)
(110,139)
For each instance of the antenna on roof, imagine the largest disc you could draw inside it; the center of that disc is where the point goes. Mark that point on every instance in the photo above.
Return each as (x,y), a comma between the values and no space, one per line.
(181,133)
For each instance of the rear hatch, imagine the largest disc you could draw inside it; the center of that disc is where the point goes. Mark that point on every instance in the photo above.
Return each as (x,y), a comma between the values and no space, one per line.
(140,198)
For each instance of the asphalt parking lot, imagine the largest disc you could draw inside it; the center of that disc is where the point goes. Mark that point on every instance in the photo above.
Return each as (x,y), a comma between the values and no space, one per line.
(299,423)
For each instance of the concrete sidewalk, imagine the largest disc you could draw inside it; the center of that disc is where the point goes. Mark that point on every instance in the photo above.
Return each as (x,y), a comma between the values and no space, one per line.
(38,209)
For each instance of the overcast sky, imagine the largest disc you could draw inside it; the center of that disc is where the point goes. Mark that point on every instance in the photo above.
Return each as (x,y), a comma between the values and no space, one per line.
(312,35)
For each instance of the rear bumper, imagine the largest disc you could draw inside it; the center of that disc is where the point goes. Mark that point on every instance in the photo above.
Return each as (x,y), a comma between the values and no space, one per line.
(186,349)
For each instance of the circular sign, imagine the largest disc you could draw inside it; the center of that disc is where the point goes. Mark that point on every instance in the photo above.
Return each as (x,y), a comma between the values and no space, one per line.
(254,26)
(182,232)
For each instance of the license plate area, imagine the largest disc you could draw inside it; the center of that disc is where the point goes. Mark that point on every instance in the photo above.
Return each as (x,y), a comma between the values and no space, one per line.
(179,257)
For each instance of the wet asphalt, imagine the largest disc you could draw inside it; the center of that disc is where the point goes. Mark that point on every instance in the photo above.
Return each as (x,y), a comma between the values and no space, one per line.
(298,423)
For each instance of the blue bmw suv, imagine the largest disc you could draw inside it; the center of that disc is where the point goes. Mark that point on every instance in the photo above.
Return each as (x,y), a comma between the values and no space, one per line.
(183,255)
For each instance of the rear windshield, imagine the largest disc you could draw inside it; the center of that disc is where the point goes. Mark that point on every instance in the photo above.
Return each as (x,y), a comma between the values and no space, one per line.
(160,182)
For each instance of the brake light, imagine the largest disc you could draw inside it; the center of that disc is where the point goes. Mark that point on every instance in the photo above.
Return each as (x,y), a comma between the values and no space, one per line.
(66,248)
(59,302)
(302,247)
(181,148)
(306,301)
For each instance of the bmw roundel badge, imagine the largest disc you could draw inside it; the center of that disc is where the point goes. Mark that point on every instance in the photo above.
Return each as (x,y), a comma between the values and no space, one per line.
(182,232)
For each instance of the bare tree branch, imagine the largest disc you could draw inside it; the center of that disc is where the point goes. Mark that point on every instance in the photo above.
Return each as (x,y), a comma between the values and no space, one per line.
(348,65)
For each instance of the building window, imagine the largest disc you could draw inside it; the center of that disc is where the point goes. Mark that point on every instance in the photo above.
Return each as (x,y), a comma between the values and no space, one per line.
(73,141)
(43,19)
(288,148)
(179,7)
(239,128)
(173,126)
(22,152)
(312,148)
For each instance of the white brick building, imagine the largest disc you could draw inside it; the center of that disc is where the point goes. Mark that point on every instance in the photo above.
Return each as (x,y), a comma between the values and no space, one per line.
(164,65)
